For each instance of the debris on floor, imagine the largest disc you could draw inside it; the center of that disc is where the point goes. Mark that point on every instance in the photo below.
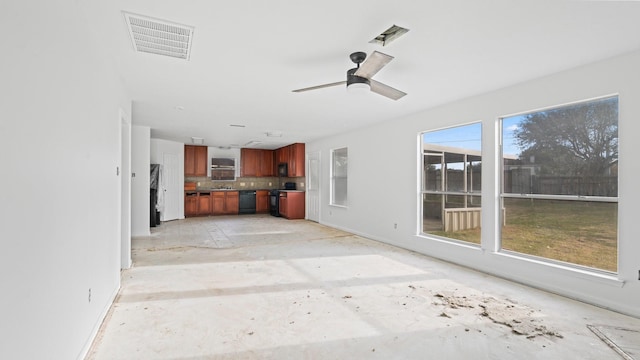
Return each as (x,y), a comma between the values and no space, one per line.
(522,320)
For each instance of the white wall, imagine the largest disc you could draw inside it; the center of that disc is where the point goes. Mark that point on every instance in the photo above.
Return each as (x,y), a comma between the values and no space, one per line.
(380,196)
(59,142)
(140,180)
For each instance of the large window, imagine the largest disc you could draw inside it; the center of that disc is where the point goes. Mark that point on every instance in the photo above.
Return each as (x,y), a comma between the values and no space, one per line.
(339,162)
(560,184)
(451,182)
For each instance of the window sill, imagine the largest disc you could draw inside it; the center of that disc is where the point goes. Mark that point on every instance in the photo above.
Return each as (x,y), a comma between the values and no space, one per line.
(339,206)
(454,242)
(592,275)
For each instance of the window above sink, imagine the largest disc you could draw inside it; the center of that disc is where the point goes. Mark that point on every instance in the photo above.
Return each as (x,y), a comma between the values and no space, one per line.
(223,169)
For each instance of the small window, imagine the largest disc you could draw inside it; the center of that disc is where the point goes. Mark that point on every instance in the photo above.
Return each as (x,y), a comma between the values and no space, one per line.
(339,167)
(451,182)
(560,184)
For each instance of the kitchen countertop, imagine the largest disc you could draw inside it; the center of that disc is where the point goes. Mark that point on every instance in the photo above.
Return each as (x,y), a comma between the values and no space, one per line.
(213,190)
(196,191)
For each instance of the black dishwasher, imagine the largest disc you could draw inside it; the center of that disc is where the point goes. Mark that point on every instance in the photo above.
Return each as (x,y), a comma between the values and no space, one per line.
(247,202)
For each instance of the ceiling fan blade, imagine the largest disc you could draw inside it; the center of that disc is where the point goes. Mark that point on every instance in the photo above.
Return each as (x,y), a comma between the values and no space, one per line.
(386,90)
(321,86)
(373,64)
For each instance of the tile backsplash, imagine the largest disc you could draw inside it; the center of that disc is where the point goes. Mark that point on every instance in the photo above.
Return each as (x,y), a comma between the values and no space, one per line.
(246,183)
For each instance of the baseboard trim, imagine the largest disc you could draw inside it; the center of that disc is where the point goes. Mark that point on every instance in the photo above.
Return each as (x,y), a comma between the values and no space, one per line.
(96,328)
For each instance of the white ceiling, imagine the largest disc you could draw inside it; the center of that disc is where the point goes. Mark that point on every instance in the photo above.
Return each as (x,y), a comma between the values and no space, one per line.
(247,56)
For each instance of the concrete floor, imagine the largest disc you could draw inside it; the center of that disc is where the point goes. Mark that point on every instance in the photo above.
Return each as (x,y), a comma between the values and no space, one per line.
(260,287)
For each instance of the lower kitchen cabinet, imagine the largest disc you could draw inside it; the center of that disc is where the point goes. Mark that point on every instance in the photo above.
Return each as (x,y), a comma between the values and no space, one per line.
(262,201)
(292,204)
(225,202)
(217,203)
(282,205)
(232,203)
(190,204)
(204,204)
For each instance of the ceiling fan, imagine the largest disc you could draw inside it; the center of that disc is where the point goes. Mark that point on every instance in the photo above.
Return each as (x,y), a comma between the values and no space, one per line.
(361,76)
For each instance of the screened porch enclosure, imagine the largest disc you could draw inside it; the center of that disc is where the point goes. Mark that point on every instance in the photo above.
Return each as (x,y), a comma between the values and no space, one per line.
(451,189)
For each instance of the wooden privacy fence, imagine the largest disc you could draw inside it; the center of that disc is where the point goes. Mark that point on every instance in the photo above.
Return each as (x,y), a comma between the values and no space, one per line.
(461,219)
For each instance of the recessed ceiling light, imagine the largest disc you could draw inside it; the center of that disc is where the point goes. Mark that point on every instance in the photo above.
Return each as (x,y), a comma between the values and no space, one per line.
(389,35)
(237,125)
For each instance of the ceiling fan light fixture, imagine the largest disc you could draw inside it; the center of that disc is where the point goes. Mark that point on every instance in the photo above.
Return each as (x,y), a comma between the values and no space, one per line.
(358,87)
(359,79)
(357,83)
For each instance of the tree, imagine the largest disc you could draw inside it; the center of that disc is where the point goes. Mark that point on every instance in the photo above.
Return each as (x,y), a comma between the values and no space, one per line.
(580,139)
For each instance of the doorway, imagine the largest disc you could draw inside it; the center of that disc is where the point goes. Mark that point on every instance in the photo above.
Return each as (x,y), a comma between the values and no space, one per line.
(171,187)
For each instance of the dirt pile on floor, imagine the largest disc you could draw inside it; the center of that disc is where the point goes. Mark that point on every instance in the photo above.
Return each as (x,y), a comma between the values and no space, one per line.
(522,320)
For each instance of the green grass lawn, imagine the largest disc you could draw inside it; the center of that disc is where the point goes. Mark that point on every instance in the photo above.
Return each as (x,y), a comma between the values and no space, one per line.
(583,233)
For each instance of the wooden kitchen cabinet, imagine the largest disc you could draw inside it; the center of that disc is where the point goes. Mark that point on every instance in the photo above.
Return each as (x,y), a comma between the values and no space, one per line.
(217,202)
(262,201)
(282,156)
(282,204)
(296,160)
(195,160)
(249,162)
(190,204)
(293,156)
(264,163)
(204,204)
(256,162)
(197,204)
(232,203)
(225,202)
(267,168)
(292,204)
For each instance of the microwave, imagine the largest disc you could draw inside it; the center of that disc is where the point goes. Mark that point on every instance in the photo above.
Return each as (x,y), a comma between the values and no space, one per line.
(283,170)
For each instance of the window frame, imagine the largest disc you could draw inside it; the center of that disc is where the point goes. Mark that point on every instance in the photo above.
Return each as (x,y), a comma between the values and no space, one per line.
(579,198)
(333,177)
(470,191)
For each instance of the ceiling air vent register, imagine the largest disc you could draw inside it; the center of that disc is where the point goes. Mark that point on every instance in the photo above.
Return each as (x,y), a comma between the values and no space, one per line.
(159,37)
(389,35)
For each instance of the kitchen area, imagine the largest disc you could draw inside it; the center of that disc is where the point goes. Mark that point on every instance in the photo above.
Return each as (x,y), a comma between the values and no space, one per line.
(248,181)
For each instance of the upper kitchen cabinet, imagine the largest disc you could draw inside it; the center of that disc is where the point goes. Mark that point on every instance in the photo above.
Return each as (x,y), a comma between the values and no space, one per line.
(293,156)
(256,162)
(282,155)
(266,166)
(296,160)
(264,163)
(195,160)
(249,164)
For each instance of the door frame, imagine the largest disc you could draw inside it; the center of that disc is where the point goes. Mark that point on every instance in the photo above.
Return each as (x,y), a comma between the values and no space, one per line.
(167,188)
(125,190)
(311,192)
